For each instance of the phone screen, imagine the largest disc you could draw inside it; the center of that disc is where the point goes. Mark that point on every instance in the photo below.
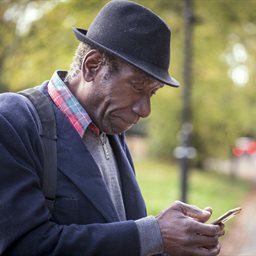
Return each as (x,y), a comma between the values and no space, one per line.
(228,215)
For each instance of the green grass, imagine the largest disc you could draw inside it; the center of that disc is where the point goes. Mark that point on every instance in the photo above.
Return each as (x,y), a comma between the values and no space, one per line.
(160,185)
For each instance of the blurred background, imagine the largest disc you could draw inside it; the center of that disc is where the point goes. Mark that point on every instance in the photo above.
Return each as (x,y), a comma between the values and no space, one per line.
(198,145)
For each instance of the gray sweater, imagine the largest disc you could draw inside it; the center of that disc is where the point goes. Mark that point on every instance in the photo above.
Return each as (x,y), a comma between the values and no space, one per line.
(102,153)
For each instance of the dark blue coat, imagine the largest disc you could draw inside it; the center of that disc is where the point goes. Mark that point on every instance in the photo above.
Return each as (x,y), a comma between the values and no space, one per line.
(84,221)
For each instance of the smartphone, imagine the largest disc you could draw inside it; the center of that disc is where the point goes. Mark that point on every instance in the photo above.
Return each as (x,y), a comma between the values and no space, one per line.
(227,215)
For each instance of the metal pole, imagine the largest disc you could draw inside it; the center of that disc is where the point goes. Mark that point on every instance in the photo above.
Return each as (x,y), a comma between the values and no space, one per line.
(186,126)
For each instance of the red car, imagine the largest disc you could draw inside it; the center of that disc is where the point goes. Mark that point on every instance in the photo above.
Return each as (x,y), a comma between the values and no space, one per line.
(244,146)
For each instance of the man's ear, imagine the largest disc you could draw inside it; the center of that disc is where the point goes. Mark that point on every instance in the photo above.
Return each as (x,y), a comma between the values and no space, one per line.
(91,64)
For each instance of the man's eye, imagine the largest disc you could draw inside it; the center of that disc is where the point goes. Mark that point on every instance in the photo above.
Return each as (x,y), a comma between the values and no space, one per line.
(137,86)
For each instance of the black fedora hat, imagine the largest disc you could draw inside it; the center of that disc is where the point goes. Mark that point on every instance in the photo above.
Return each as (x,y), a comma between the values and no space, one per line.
(133,33)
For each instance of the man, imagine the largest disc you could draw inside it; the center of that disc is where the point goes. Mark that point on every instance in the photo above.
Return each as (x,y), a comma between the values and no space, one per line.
(122,60)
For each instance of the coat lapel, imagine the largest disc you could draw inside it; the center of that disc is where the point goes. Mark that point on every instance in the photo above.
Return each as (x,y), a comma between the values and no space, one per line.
(76,162)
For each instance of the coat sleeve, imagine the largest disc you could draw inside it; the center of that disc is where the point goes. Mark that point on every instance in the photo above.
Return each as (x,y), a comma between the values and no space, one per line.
(25,226)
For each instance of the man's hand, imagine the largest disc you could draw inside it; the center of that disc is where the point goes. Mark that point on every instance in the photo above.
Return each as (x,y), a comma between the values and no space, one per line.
(184,232)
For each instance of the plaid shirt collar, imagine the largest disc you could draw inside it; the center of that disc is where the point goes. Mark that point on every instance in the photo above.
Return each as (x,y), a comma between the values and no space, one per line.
(69,105)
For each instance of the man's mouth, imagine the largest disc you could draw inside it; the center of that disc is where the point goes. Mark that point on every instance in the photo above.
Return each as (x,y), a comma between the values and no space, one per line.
(129,122)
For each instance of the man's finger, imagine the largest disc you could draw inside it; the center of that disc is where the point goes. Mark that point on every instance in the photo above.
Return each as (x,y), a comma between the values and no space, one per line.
(207,229)
(194,212)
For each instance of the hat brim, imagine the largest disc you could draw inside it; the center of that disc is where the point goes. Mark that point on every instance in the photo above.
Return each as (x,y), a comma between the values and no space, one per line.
(148,68)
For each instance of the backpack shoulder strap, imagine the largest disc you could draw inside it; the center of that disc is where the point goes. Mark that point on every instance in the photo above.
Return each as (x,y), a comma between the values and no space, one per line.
(48,136)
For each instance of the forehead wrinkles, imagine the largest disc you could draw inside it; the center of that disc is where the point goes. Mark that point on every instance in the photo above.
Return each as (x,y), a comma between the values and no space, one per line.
(150,81)
(144,77)
(147,79)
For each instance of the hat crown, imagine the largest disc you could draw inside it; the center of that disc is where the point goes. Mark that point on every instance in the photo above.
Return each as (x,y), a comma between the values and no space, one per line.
(133,33)
(129,28)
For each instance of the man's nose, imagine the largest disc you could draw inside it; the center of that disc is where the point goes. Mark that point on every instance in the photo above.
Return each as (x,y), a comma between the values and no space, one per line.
(142,107)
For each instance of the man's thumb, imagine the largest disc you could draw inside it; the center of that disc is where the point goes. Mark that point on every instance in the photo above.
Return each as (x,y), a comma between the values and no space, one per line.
(196,213)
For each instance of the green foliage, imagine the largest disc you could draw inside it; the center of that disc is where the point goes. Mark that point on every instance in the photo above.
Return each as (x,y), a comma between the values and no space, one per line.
(221,111)
(164,122)
(7,41)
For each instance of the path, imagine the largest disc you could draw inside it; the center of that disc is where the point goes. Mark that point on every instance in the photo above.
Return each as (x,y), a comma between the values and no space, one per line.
(241,237)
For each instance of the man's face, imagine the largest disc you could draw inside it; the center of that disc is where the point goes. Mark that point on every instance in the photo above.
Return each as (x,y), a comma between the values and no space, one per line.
(117,102)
